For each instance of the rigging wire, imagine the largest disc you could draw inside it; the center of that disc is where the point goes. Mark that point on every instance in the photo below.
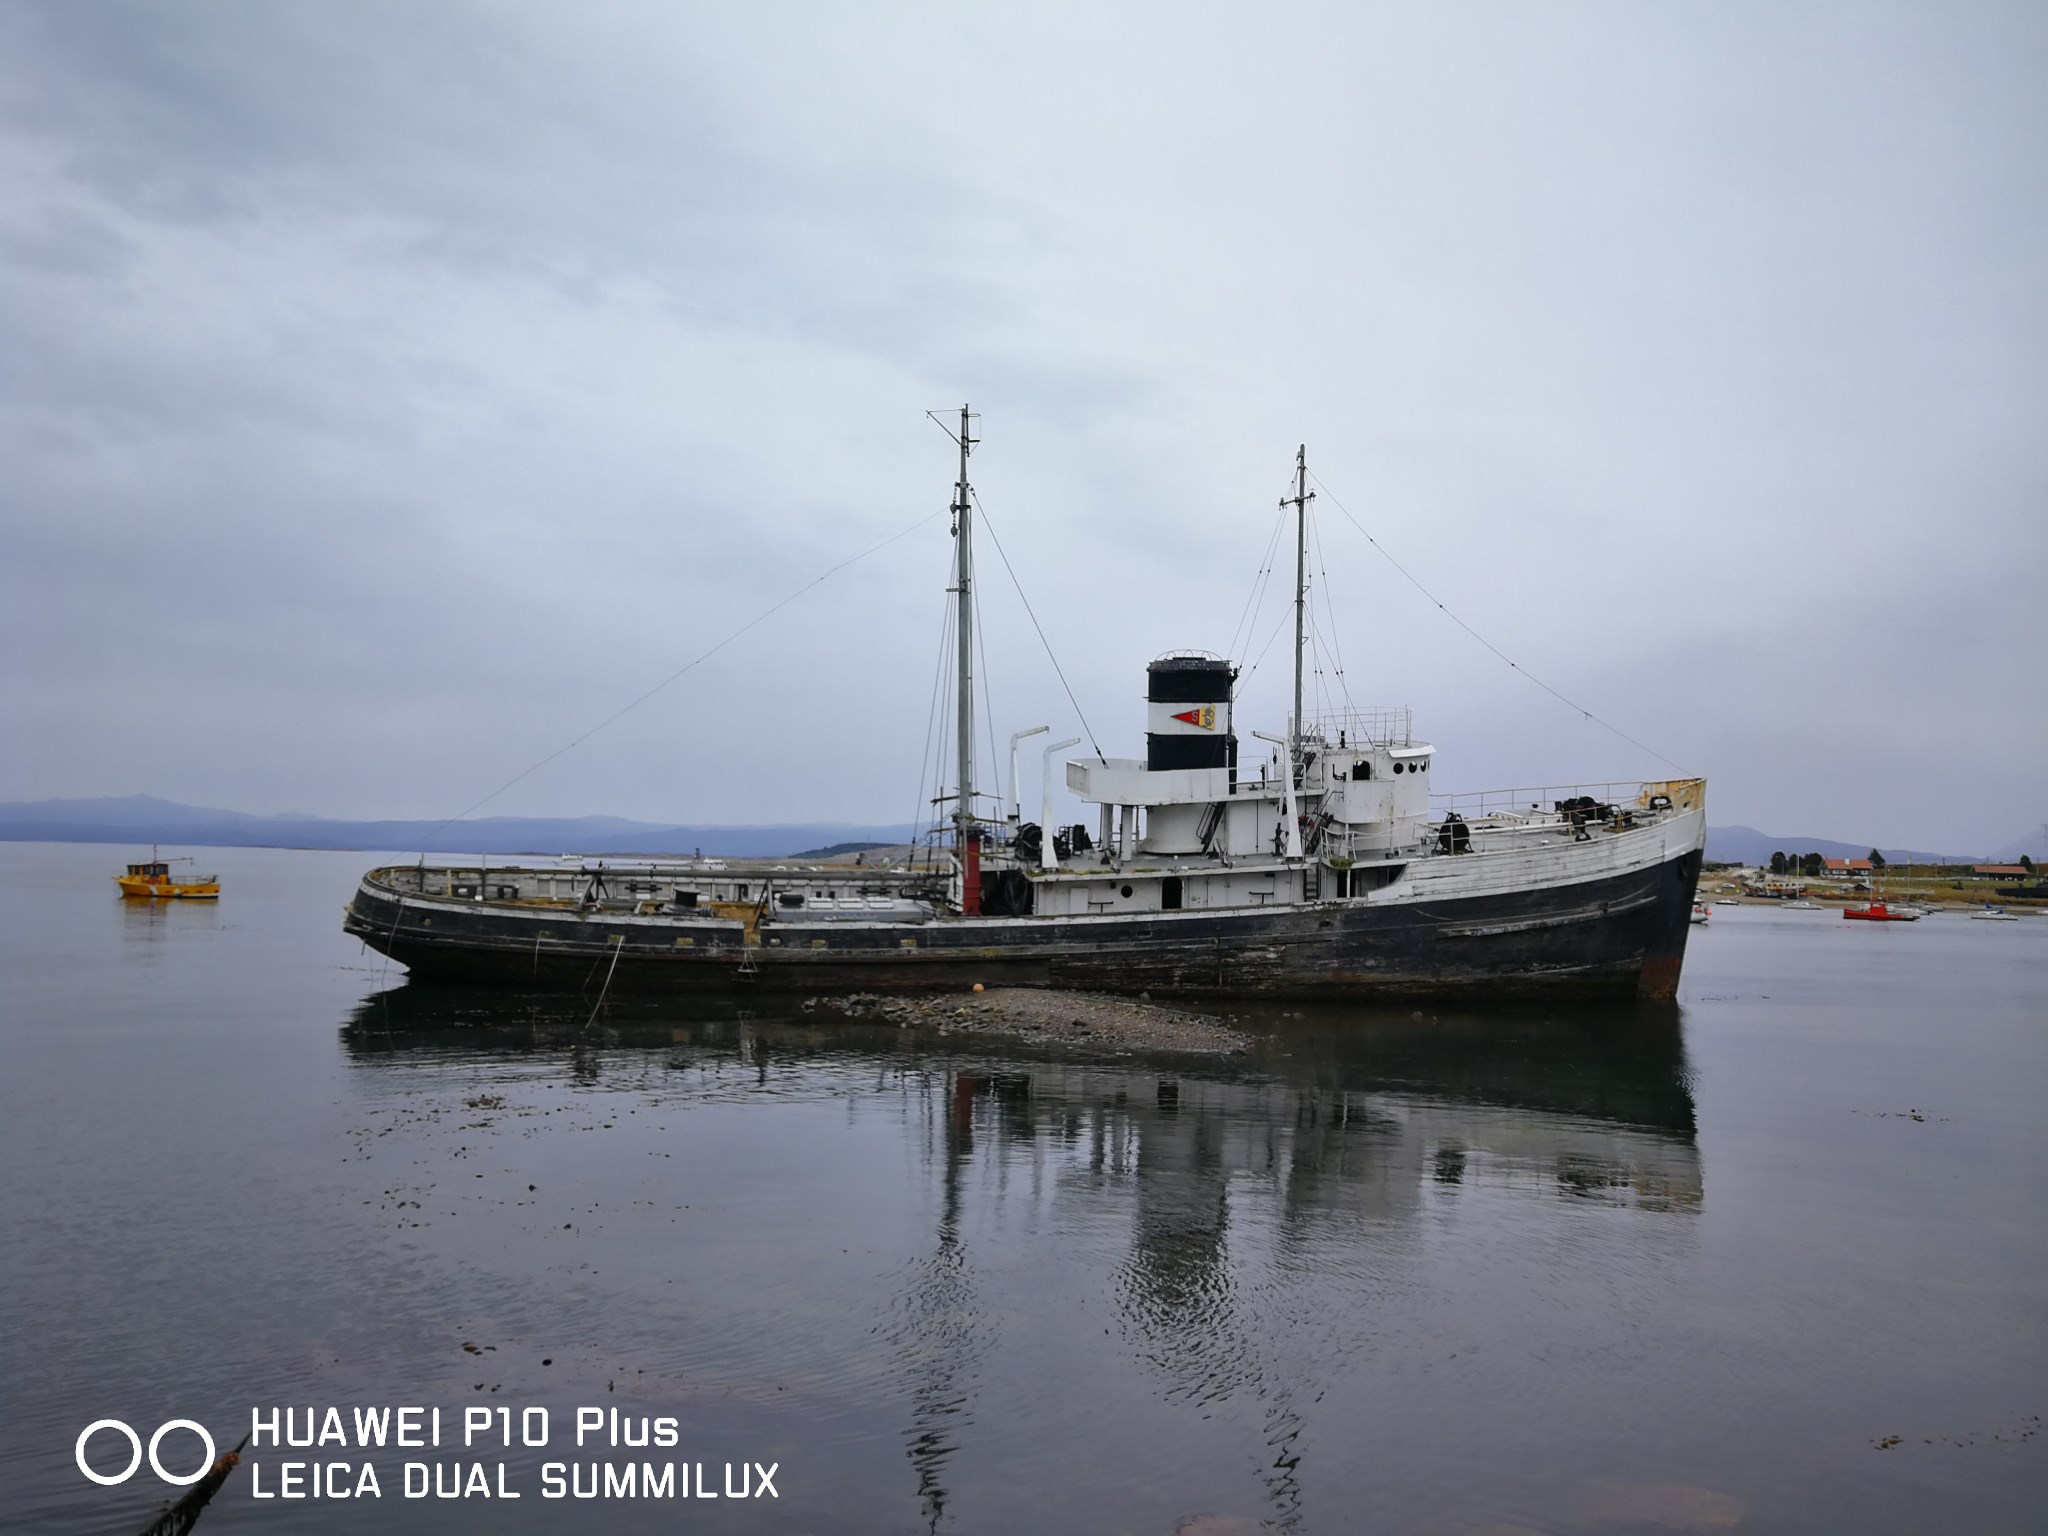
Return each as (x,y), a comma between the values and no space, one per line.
(1248,620)
(1497,651)
(1323,629)
(1326,648)
(1262,583)
(1275,635)
(625,709)
(1316,693)
(930,821)
(1329,606)
(926,760)
(988,714)
(989,523)
(1325,670)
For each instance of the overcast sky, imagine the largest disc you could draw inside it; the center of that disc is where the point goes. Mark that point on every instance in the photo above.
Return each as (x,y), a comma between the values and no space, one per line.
(390,392)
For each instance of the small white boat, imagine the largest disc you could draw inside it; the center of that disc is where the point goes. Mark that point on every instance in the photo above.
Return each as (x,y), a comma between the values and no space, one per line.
(1803,905)
(1995,915)
(1727,901)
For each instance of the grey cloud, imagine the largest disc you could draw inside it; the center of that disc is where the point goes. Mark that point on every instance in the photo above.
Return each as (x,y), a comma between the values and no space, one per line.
(461,370)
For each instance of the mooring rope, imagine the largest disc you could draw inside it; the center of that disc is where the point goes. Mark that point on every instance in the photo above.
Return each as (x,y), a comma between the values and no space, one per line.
(392,937)
(617,949)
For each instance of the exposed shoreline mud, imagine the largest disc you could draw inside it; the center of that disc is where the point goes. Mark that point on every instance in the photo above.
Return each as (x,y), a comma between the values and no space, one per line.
(1086,1019)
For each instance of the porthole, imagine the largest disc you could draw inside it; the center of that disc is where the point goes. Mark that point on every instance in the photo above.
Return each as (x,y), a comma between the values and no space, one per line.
(1124,890)
(1398,767)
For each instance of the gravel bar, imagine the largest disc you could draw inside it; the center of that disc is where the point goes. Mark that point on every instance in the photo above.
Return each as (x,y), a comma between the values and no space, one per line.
(1028,1013)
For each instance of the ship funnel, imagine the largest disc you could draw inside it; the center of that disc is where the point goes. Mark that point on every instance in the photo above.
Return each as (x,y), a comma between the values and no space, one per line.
(1188,713)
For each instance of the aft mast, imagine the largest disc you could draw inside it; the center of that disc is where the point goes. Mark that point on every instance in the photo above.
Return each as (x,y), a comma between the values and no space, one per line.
(1299,501)
(965,840)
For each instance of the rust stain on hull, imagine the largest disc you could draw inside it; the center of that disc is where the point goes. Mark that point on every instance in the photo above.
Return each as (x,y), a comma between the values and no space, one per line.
(1658,980)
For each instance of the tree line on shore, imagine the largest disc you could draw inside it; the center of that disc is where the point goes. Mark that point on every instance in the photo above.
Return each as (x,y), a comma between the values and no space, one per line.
(1814,865)
(1811,864)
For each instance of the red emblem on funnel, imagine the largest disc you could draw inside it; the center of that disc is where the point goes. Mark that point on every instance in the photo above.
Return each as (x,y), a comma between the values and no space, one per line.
(1205,717)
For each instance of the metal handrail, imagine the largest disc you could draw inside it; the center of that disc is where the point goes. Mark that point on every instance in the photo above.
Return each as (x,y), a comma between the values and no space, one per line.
(1391,725)
(1471,804)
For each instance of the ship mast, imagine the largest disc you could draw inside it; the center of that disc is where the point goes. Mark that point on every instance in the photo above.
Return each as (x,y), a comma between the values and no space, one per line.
(1299,501)
(963,585)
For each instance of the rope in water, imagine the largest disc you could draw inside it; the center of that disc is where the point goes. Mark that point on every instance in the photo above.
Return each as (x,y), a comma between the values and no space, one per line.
(617,949)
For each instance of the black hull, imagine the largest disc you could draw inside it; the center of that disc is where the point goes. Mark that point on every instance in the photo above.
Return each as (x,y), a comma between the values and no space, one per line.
(1624,934)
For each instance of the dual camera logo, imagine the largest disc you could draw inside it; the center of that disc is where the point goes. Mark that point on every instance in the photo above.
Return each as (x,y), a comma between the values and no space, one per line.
(135,1445)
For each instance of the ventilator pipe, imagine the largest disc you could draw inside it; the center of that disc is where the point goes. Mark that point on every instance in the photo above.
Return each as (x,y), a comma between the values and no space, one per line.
(1017,789)
(1048,856)
(1287,790)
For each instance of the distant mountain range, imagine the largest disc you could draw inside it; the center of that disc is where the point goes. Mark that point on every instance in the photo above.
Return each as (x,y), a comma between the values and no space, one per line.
(135,819)
(1746,845)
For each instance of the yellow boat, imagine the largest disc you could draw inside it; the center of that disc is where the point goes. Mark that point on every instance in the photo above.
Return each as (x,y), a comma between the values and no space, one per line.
(153,880)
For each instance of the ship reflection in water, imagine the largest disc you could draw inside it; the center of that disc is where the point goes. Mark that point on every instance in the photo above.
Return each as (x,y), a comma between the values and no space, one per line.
(1206,1267)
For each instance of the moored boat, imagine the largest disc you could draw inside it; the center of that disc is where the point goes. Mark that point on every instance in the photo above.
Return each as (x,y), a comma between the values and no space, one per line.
(152,879)
(1329,871)
(1878,912)
(1787,891)
(1994,914)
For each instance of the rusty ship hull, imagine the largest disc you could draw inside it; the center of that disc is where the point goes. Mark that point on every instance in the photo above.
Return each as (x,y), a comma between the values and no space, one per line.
(1621,933)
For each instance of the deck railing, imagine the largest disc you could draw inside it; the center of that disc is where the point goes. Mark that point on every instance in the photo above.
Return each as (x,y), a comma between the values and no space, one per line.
(1383,726)
(1633,794)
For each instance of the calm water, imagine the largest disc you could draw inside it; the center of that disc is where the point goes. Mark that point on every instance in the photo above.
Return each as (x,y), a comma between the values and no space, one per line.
(1561,1271)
